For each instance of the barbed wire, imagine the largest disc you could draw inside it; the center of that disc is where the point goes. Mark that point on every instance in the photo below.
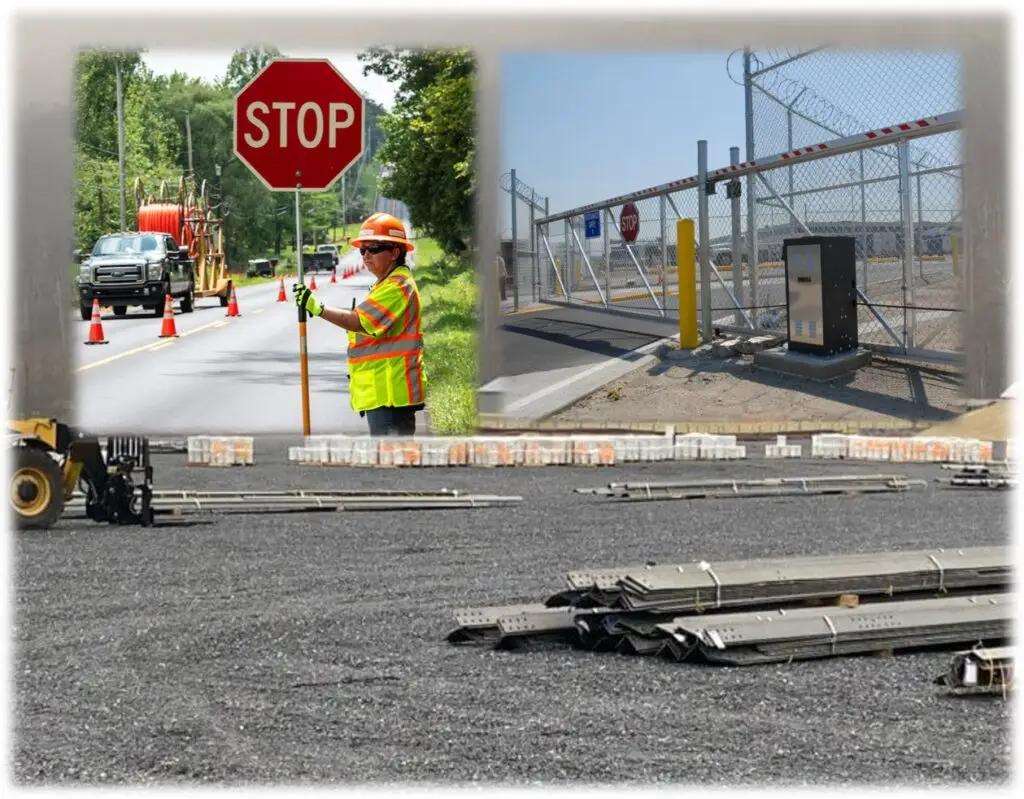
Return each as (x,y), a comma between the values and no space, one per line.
(524,192)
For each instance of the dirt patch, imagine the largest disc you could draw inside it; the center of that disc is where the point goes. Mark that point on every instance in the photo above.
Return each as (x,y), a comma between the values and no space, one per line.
(707,388)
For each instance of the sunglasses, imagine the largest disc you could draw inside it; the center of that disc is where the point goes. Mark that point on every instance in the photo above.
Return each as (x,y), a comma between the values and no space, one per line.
(373,249)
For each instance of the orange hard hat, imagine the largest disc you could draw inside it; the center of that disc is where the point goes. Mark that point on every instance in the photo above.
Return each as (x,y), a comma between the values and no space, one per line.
(382,227)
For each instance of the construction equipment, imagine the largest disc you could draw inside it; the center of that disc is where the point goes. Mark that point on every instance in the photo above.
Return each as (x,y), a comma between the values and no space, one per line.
(192,223)
(51,460)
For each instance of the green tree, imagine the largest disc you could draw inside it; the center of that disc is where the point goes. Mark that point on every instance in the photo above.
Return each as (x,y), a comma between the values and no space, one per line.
(428,150)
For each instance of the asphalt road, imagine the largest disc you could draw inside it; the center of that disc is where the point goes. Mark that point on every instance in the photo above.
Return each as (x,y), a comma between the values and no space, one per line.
(221,376)
(311,648)
(567,337)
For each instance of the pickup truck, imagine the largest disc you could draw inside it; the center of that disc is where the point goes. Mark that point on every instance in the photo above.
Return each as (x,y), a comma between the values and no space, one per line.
(332,249)
(135,269)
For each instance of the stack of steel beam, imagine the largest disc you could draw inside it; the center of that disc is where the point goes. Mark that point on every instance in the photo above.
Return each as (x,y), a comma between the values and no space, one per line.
(981,475)
(769,487)
(979,671)
(874,602)
(178,503)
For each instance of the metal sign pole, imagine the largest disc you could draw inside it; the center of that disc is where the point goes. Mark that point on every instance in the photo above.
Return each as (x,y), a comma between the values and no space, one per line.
(303,354)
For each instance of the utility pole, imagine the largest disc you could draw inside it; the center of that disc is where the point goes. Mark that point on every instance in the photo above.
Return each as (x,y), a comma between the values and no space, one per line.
(120,141)
(188,134)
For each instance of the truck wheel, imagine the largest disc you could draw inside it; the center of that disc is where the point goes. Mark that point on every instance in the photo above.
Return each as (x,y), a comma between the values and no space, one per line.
(188,300)
(86,311)
(120,310)
(36,490)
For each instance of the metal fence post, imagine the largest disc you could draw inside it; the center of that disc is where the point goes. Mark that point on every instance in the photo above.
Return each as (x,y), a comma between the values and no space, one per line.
(737,252)
(702,240)
(515,245)
(567,268)
(662,207)
(863,227)
(907,218)
(752,254)
(607,243)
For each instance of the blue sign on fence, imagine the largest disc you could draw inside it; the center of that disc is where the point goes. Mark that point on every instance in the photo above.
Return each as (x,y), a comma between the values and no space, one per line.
(592,224)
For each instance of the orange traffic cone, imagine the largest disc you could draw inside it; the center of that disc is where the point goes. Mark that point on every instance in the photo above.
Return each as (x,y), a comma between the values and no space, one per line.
(233,304)
(334,273)
(96,328)
(281,296)
(168,330)
(312,283)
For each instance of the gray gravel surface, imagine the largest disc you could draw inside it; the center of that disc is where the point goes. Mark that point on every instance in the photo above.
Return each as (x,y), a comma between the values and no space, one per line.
(288,648)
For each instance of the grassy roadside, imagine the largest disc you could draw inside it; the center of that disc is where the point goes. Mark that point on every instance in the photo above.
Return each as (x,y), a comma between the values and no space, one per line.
(448,292)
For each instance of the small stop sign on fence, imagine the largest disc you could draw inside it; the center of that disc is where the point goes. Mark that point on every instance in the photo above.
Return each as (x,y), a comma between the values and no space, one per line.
(629,222)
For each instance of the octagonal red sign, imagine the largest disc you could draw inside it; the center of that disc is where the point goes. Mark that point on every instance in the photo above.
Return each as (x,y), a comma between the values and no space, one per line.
(298,124)
(629,222)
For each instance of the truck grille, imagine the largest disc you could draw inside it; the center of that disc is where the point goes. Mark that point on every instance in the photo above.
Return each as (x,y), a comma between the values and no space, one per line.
(118,275)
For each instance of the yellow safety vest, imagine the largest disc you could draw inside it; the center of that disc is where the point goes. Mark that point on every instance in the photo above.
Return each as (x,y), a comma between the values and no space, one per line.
(386,364)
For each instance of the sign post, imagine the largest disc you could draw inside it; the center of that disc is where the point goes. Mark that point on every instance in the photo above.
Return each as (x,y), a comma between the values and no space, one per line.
(298,127)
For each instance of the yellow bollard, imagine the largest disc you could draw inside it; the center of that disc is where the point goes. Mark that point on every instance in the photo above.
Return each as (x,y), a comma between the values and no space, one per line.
(686,271)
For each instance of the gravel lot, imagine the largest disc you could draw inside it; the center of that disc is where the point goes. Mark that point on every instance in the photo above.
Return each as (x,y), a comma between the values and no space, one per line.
(311,648)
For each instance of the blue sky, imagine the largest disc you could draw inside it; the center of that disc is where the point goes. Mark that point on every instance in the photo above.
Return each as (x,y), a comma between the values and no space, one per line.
(579,127)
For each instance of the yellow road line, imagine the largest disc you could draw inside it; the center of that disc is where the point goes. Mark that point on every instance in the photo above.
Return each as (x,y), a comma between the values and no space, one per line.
(144,348)
(160,346)
(259,310)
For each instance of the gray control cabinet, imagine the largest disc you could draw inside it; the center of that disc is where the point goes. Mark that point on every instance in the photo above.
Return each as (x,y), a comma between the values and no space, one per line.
(821,294)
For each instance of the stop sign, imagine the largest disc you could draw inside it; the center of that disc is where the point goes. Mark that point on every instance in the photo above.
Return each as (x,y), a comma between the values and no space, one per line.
(629,222)
(298,124)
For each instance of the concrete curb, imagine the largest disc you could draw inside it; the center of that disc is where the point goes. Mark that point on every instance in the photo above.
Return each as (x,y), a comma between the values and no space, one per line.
(494,423)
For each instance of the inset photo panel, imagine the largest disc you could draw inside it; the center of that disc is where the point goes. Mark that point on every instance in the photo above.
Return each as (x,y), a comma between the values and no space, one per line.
(271,242)
(778,240)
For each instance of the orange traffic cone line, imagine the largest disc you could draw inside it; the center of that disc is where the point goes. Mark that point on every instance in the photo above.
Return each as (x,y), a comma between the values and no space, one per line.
(233,304)
(312,283)
(95,327)
(334,278)
(281,296)
(168,329)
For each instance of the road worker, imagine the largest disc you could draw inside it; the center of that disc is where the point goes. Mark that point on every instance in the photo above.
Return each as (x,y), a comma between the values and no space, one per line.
(387,384)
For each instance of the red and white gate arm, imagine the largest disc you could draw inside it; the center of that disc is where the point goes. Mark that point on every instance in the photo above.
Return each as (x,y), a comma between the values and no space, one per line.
(929,126)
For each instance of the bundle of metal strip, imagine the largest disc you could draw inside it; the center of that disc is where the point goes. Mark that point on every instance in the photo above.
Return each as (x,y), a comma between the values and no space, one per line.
(621,608)
(706,587)
(702,586)
(979,671)
(981,475)
(740,639)
(770,487)
(189,503)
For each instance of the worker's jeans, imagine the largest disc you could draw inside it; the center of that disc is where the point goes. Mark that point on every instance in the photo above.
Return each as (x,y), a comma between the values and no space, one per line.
(391,422)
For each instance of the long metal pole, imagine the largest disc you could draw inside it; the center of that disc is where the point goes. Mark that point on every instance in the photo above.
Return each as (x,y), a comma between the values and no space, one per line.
(908,244)
(303,352)
(120,142)
(663,211)
(702,240)
(515,244)
(752,255)
(737,252)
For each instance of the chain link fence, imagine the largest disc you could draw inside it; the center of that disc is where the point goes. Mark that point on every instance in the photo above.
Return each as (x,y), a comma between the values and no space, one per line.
(893,183)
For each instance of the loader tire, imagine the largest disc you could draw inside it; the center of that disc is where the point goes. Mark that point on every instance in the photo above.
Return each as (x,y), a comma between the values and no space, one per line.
(36,489)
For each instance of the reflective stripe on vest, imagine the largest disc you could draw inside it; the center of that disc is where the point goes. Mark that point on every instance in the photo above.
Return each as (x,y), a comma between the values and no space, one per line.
(388,369)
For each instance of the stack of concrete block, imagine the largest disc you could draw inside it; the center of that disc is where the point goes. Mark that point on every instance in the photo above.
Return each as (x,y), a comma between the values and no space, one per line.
(705,446)
(902,449)
(220,451)
(780,449)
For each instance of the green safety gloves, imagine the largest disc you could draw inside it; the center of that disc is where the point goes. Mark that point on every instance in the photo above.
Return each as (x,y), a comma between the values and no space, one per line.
(306,298)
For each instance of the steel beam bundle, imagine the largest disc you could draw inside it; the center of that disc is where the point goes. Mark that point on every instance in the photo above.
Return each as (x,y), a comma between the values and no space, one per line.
(979,671)
(874,601)
(980,475)
(769,487)
(741,639)
(178,503)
